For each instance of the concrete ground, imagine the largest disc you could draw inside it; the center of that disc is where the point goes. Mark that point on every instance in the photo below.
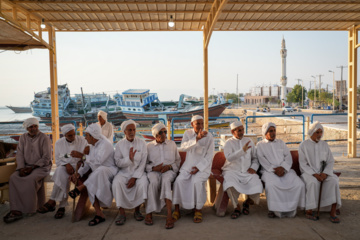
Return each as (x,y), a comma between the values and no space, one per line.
(254,226)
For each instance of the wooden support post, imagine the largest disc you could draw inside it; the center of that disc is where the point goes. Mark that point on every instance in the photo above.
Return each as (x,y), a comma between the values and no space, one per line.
(352,91)
(206,88)
(168,129)
(54,89)
(81,130)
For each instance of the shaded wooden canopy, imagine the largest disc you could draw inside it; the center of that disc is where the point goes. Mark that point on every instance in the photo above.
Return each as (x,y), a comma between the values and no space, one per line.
(191,15)
(14,38)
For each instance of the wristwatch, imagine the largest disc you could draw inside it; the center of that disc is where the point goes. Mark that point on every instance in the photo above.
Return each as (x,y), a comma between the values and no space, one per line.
(83,157)
(171,168)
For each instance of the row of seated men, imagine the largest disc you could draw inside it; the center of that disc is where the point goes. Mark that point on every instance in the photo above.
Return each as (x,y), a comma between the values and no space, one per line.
(136,173)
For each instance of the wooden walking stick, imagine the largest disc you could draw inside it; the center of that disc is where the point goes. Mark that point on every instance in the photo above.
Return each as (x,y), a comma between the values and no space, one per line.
(76,182)
(323,164)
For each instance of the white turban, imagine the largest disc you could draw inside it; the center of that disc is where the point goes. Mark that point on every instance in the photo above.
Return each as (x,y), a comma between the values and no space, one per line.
(156,129)
(67,128)
(196,117)
(103,115)
(235,124)
(29,122)
(126,123)
(314,127)
(266,127)
(94,130)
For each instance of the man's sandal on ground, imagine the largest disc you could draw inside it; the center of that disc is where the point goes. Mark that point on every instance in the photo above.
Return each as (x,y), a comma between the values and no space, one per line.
(169,223)
(60,213)
(198,217)
(138,216)
(246,209)
(176,215)
(11,217)
(311,216)
(96,220)
(271,214)
(148,221)
(334,219)
(120,220)
(236,213)
(46,208)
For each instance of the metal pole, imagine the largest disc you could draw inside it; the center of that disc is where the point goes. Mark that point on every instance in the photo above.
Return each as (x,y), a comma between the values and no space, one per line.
(237,90)
(333,89)
(320,87)
(341,86)
(302,94)
(314,91)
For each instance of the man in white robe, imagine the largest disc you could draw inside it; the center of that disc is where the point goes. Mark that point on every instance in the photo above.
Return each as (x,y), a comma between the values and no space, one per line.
(33,161)
(285,191)
(101,163)
(190,185)
(239,170)
(130,184)
(66,150)
(107,129)
(163,163)
(317,165)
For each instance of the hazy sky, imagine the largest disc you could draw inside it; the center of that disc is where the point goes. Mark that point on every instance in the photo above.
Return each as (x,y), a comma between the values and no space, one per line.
(171,63)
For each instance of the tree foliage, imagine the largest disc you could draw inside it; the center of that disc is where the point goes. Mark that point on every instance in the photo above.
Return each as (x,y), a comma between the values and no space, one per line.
(296,94)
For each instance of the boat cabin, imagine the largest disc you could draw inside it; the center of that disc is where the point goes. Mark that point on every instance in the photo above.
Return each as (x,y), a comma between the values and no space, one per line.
(136,99)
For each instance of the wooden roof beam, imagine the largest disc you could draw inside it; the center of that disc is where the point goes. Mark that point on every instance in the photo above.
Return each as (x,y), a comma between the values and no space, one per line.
(199,21)
(193,11)
(19,23)
(212,18)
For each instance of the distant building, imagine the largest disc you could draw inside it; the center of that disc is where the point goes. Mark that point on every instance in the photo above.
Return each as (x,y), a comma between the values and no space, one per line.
(264,95)
(338,87)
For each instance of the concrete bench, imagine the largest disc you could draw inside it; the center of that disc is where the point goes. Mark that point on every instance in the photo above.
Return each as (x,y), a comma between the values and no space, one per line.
(222,199)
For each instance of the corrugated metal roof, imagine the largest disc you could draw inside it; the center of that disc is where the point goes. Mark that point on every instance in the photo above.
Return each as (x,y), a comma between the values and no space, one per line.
(153,15)
(136,91)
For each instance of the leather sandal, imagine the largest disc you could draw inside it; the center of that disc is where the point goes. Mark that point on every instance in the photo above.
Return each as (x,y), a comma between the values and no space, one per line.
(148,221)
(60,213)
(74,193)
(235,214)
(246,209)
(334,219)
(46,208)
(197,217)
(176,215)
(11,217)
(169,223)
(271,214)
(96,220)
(138,216)
(120,220)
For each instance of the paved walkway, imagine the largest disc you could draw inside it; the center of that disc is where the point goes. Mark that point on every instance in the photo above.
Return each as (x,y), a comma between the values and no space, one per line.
(254,226)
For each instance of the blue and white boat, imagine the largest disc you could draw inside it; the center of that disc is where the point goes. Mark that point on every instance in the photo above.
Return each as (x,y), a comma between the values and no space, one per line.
(141,104)
(41,105)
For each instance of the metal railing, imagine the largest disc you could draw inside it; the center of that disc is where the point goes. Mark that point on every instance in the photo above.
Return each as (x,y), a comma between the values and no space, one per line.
(44,122)
(272,116)
(328,114)
(189,118)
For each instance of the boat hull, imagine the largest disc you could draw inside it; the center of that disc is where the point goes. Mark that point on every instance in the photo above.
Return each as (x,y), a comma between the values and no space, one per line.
(214,111)
(115,118)
(20,109)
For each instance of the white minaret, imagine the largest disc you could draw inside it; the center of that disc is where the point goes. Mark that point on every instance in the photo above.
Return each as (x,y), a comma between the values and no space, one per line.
(283,78)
